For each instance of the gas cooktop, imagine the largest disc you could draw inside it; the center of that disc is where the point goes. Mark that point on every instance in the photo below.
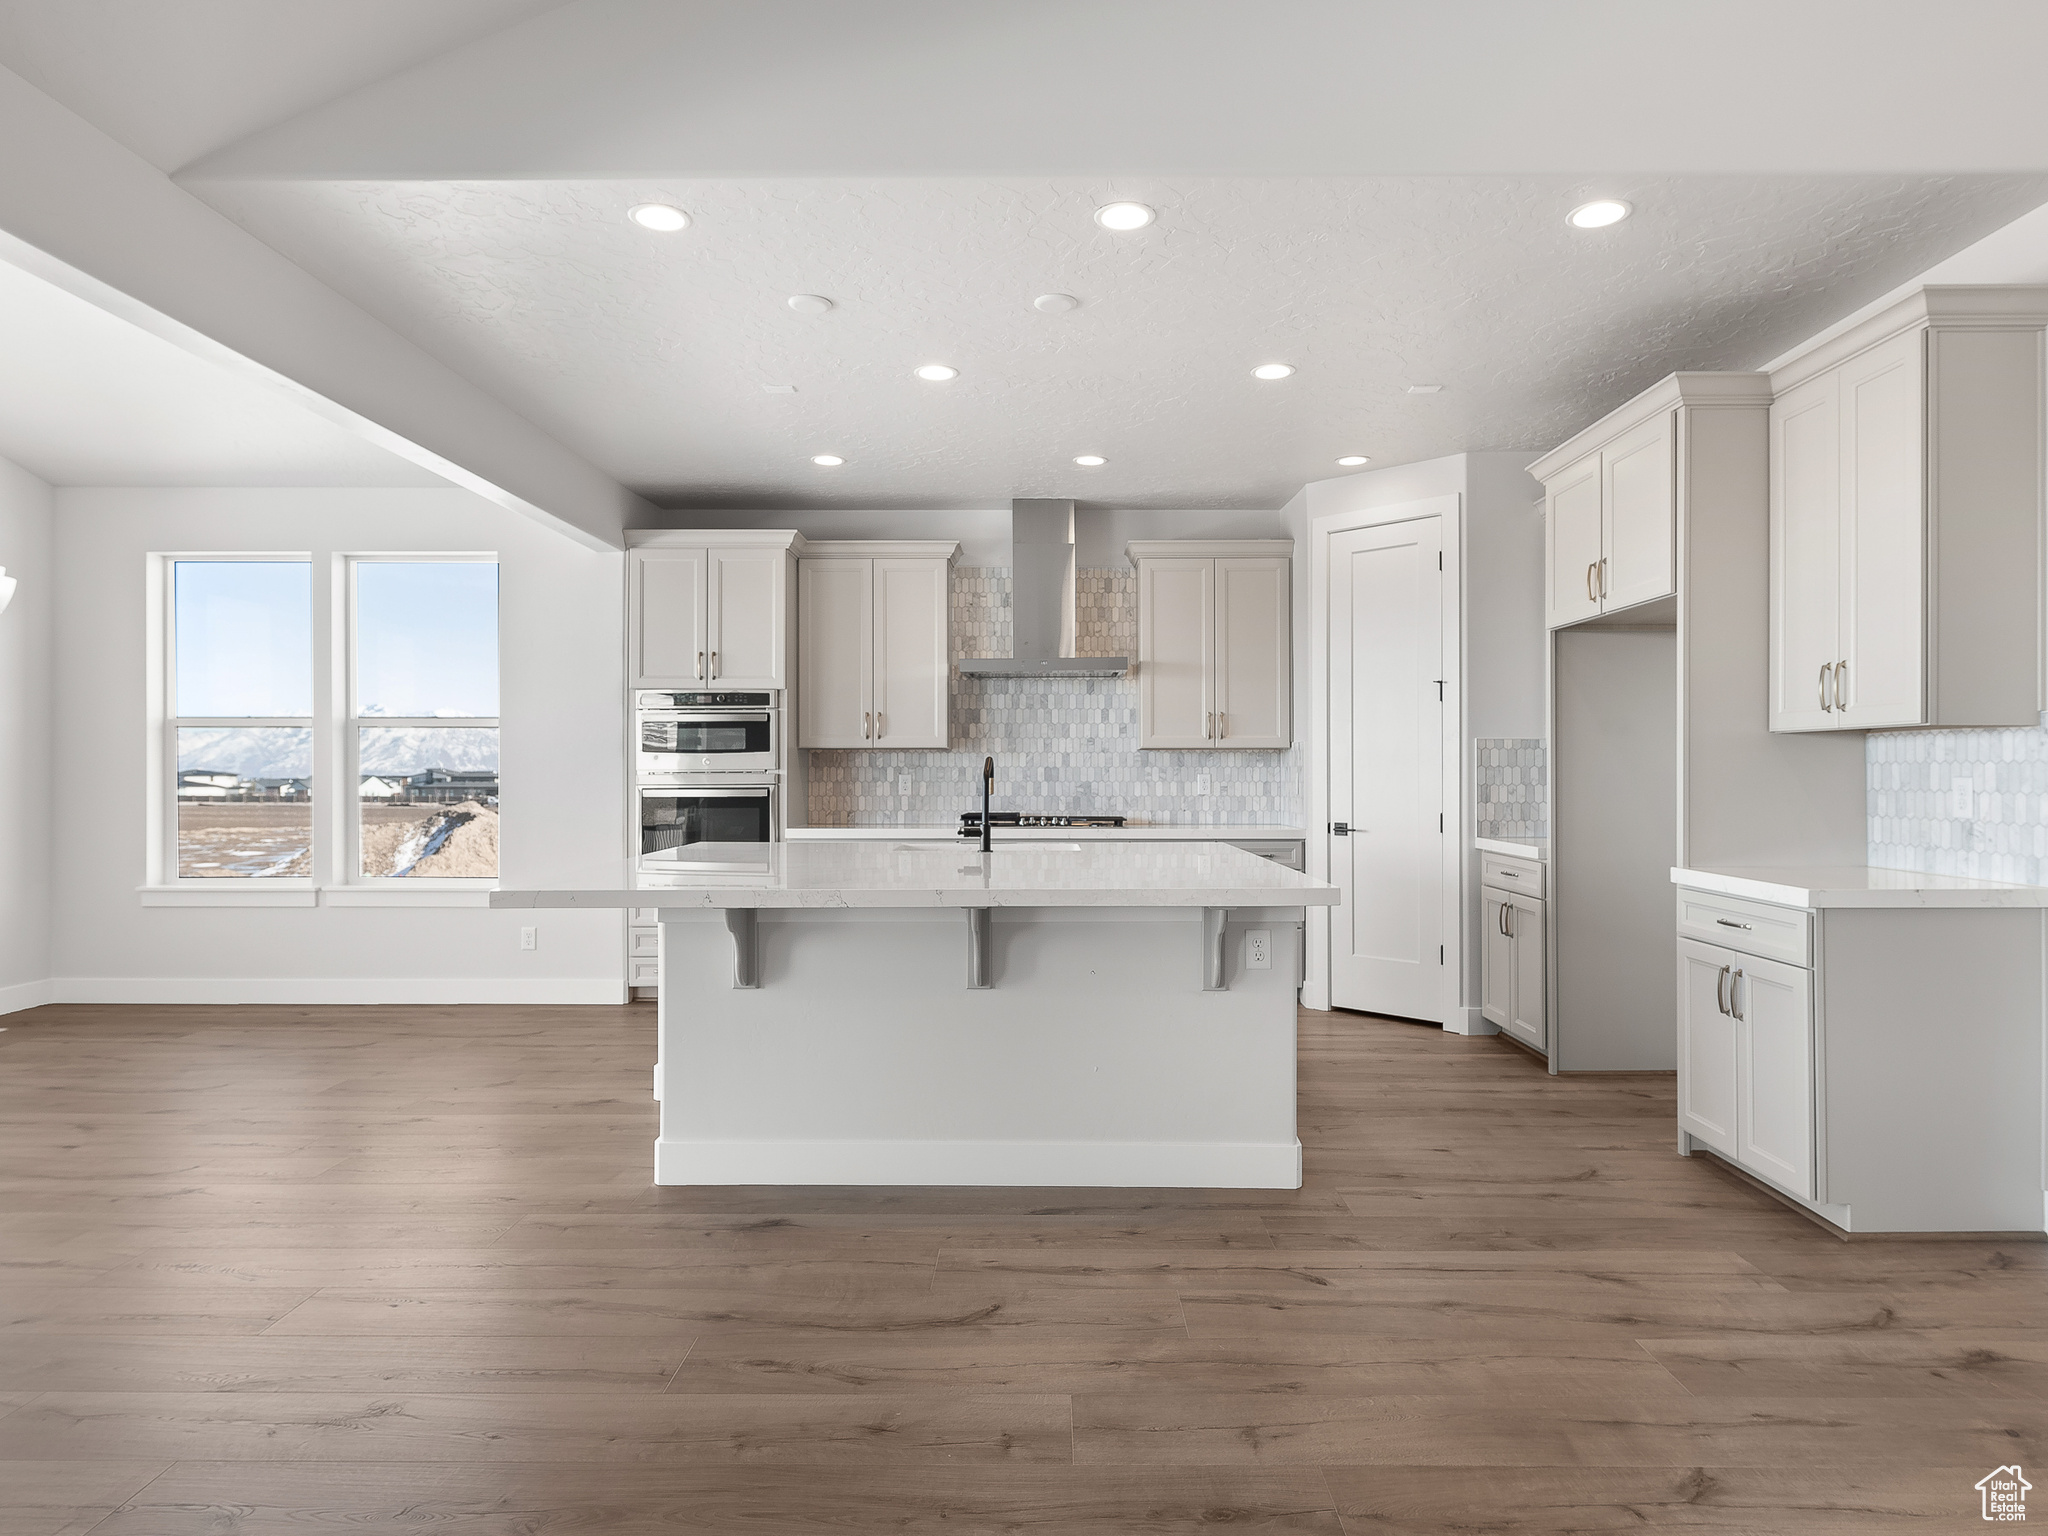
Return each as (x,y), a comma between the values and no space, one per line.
(970,821)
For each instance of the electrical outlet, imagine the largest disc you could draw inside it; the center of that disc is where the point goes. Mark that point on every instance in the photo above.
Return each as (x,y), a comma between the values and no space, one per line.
(529,938)
(1258,949)
(1962,799)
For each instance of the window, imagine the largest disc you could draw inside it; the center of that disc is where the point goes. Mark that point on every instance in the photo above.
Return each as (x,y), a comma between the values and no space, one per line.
(424,656)
(240,719)
(267,772)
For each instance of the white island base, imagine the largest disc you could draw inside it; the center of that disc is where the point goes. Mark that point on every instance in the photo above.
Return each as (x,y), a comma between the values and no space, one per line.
(1092,1056)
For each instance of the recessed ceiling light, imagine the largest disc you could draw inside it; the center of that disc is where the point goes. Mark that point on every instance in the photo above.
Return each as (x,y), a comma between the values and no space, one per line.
(809,303)
(658,216)
(1425,389)
(1598,214)
(827,460)
(1272,370)
(1090,460)
(1055,303)
(1124,217)
(937,373)
(1353,460)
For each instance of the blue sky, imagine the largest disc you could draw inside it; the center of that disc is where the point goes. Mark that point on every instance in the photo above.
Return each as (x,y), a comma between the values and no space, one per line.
(427,637)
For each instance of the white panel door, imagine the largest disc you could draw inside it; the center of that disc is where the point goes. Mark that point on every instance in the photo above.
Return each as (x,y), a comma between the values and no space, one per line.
(1529,1020)
(1386,770)
(1773,1005)
(1254,660)
(1496,958)
(1806,553)
(1176,659)
(1707,1046)
(1637,496)
(1881,677)
(668,617)
(747,590)
(1572,530)
(835,638)
(911,667)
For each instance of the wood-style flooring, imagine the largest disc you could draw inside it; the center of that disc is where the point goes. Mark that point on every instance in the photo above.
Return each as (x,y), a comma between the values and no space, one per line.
(369,1270)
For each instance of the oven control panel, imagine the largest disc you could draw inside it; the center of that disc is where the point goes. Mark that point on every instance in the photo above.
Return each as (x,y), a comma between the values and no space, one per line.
(667,700)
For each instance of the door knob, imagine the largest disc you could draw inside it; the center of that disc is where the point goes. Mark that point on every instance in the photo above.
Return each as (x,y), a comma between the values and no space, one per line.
(1340,829)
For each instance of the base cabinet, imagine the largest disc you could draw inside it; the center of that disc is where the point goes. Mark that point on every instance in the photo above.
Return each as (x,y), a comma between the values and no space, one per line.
(1514,993)
(1745,1061)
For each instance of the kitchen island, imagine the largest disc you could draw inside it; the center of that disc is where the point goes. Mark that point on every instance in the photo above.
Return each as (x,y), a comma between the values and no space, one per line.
(918,1013)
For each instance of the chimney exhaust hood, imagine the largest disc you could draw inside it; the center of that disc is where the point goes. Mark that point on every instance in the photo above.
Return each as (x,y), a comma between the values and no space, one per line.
(1042,600)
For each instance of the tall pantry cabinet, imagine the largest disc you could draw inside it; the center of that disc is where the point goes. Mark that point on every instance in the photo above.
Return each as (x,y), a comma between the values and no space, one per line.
(1906,518)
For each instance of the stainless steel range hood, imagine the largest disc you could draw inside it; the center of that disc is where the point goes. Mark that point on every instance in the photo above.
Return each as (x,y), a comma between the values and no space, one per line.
(1042,600)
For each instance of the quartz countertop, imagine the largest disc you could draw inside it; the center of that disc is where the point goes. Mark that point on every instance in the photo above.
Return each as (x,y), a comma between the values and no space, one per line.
(951,834)
(906,874)
(1532,849)
(1857,885)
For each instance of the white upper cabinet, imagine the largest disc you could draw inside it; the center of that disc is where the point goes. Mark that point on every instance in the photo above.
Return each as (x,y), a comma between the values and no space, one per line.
(707,607)
(1609,523)
(874,632)
(1906,513)
(1636,478)
(835,629)
(1215,644)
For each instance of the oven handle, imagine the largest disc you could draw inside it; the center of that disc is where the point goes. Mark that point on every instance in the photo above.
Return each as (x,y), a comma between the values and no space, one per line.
(678,792)
(657,717)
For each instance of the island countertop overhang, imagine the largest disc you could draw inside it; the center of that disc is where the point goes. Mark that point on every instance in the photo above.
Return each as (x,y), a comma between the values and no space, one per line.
(711,876)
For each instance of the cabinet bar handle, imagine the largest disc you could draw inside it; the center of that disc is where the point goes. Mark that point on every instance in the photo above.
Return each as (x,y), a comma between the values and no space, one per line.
(867,725)
(1222,725)
(714,664)
(700,666)
(1826,667)
(1603,576)
(1735,981)
(1729,922)
(1507,915)
(1208,724)
(1591,595)
(1721,990)
(1841,677)
(878,725)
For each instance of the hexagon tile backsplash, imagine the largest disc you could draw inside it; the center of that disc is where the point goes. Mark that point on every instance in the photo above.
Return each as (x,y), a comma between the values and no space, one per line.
(1969,803)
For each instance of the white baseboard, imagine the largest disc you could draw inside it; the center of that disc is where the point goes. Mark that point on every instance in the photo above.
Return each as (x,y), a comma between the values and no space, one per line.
(1051,1164)
(25,994)
(306,991)
(1469,1021)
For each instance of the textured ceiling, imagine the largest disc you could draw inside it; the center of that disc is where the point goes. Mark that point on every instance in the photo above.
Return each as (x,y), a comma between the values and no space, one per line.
(88,399)
(649,353)
(177,80)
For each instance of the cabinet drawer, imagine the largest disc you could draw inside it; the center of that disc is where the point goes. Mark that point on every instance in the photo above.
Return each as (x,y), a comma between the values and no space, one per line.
(643,916)
(645,942)
(643,973)
(1287,853)
(1749,927)
(1506,874)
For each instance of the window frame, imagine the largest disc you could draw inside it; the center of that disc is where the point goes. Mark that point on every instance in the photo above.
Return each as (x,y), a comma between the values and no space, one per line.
(349,876)
(165,722)
(337,858)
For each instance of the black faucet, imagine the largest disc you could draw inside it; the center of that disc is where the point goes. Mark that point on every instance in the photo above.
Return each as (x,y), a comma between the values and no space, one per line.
(988,786)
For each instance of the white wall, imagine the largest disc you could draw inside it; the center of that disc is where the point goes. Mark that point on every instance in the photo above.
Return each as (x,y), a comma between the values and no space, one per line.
(25,745)
(562,755)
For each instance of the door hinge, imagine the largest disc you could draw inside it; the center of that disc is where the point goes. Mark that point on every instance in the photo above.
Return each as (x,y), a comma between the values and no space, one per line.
(1439,821)
(1439,954)
(1439,690)
(1439,559)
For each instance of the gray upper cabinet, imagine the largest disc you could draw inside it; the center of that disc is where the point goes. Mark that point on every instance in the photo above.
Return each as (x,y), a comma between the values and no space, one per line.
(1906,508)
(1609,518)
(874,635)
(1215,661)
